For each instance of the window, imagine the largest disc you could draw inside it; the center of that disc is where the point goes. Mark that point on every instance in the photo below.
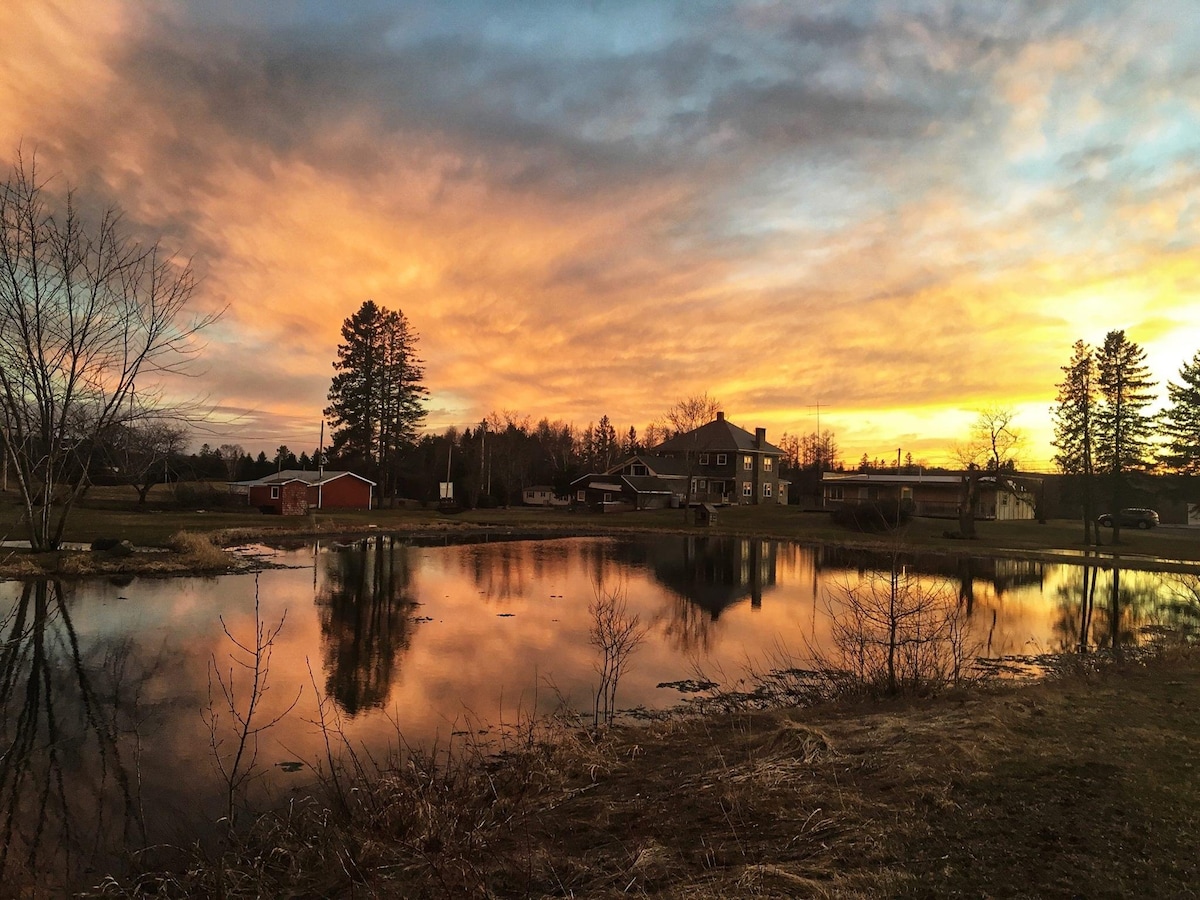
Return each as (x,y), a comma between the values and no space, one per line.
(702,484)
(766,464)
(835,493)
(275,492)
(581,496)
(748,463)
(704,459)
(638,469)
(747,489)
(766,489)
(721,459)
(607,497)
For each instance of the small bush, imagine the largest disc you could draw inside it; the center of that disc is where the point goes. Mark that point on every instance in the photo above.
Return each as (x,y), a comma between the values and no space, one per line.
(199,494)
(877,515)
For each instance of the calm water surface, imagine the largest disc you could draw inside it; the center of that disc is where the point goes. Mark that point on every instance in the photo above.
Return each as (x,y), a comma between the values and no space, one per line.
(108,688)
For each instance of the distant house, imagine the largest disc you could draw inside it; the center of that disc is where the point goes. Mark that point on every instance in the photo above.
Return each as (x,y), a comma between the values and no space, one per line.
(293,492)
(1012,497)
(542,495)
(727,465)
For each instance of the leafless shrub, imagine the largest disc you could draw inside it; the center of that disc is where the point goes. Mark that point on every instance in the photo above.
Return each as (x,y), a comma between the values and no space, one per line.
(616,635)
(893,633)
(230,696)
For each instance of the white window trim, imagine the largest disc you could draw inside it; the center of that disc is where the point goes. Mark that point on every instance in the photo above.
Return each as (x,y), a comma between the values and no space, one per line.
(274,492)
(766,489)
(704,459)
(721,459)
(581,496)
(748,463)
(747,489)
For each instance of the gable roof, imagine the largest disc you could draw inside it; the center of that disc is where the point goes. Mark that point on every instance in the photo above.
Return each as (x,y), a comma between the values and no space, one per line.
(308,477)
(716,436)
(655,465)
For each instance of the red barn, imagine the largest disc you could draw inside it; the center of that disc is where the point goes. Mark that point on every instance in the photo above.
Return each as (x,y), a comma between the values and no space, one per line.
(293,492)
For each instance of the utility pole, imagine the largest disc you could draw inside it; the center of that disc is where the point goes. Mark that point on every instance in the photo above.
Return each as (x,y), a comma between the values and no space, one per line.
(820,444)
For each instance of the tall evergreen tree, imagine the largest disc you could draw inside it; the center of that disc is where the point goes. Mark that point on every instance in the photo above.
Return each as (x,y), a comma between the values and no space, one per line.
(376,397)
(1123,427)
(1180,421)
(1075,429)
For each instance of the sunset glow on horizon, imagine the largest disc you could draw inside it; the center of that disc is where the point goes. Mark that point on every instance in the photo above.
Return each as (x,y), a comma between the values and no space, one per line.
(898,211)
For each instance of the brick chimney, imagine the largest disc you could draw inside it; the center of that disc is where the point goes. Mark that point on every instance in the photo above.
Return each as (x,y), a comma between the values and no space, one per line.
(760,437)
(720,416)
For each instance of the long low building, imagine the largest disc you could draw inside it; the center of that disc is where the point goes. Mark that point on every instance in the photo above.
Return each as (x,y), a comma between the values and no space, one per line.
(294,492)
(1007,498)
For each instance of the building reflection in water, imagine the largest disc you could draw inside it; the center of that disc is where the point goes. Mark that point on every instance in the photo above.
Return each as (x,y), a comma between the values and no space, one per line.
(705,576)
(366,611)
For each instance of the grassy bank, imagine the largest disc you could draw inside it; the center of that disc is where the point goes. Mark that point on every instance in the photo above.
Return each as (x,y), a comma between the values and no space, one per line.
(1079,787)
(112,513)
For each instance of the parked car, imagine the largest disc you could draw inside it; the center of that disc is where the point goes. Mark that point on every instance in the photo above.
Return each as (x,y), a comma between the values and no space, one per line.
(1131,518)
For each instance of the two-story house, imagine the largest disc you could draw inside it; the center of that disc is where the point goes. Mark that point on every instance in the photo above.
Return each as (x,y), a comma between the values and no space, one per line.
(726,465)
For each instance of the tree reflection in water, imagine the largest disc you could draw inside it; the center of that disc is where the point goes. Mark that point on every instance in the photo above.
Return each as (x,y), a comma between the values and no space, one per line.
(1110,608)
(70,720)
(365,608)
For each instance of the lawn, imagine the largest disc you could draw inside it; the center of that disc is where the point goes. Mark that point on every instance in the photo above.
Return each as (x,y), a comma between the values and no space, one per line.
(113,512)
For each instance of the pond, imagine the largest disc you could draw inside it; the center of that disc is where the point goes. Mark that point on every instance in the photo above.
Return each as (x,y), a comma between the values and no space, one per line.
(115,706)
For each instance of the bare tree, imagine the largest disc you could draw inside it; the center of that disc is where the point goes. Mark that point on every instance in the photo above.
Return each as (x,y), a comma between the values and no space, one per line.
(231,455)
(144,453)
(685,416)
(691,412)
(993,448)
(85,311)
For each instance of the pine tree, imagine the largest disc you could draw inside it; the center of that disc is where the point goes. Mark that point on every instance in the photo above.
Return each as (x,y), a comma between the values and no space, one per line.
(1075,428)
(1180,421)
(1123,427)
(376,398)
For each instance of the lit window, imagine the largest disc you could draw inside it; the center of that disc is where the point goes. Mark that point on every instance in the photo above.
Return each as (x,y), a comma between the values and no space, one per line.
(767,489)
(747,489)
(766,464)
(748,463)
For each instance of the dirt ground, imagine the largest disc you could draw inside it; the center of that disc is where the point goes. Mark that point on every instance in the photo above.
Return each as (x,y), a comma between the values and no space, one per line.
(1084,786)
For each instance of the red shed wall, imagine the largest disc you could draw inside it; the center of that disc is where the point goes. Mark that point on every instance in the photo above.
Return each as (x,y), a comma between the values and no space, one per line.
(260,496)
(342,493)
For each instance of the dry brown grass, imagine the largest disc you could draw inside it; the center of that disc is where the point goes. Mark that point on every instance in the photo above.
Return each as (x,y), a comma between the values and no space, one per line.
(1076,787)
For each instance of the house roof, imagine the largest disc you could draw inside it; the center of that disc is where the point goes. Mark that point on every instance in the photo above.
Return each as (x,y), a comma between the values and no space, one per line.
(718,435)
(649,484)
(656,465)
(1012,483)
(308,477)
(639,484)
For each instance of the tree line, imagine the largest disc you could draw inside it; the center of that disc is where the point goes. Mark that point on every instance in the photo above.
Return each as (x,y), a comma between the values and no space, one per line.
(1105,433)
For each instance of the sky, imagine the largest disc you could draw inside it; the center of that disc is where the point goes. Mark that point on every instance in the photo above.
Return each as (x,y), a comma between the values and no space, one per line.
(902,211)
